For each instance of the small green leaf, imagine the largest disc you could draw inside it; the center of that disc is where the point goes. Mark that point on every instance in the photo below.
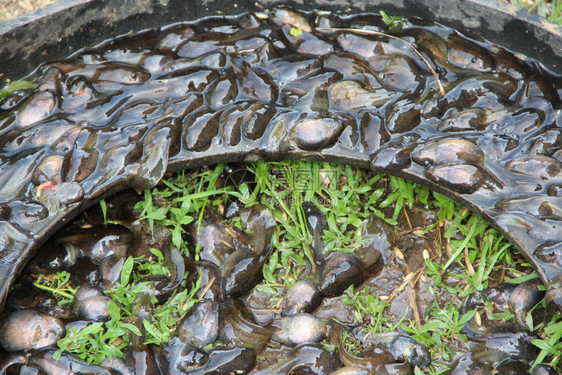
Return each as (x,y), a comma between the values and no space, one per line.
(386,19)
(126,271)
(159,214)
(529,321)
(58,354)
(111,351)
(91,329)
(132,328)
(186,220)
(113,310)
(158,337)
(103,206)
(541,344)
(157,253)
(395,23)
(267,289)
(295,31)
(16,86)
(466,317)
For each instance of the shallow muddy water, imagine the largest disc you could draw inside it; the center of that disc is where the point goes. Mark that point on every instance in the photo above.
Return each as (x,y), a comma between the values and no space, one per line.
(468,119)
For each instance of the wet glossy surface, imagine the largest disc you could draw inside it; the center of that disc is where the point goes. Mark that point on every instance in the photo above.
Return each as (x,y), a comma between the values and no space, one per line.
(291,329)
(250,87)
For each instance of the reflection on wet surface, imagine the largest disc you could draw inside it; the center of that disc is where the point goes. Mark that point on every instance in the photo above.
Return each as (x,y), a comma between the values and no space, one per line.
(313,315)
(287,85)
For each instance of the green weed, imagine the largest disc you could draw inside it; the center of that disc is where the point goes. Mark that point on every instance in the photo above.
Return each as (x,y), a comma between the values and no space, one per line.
(369,310)
(550,9)
(550,344)
(59,285)
(99,340)
(469,254)
(14,86)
